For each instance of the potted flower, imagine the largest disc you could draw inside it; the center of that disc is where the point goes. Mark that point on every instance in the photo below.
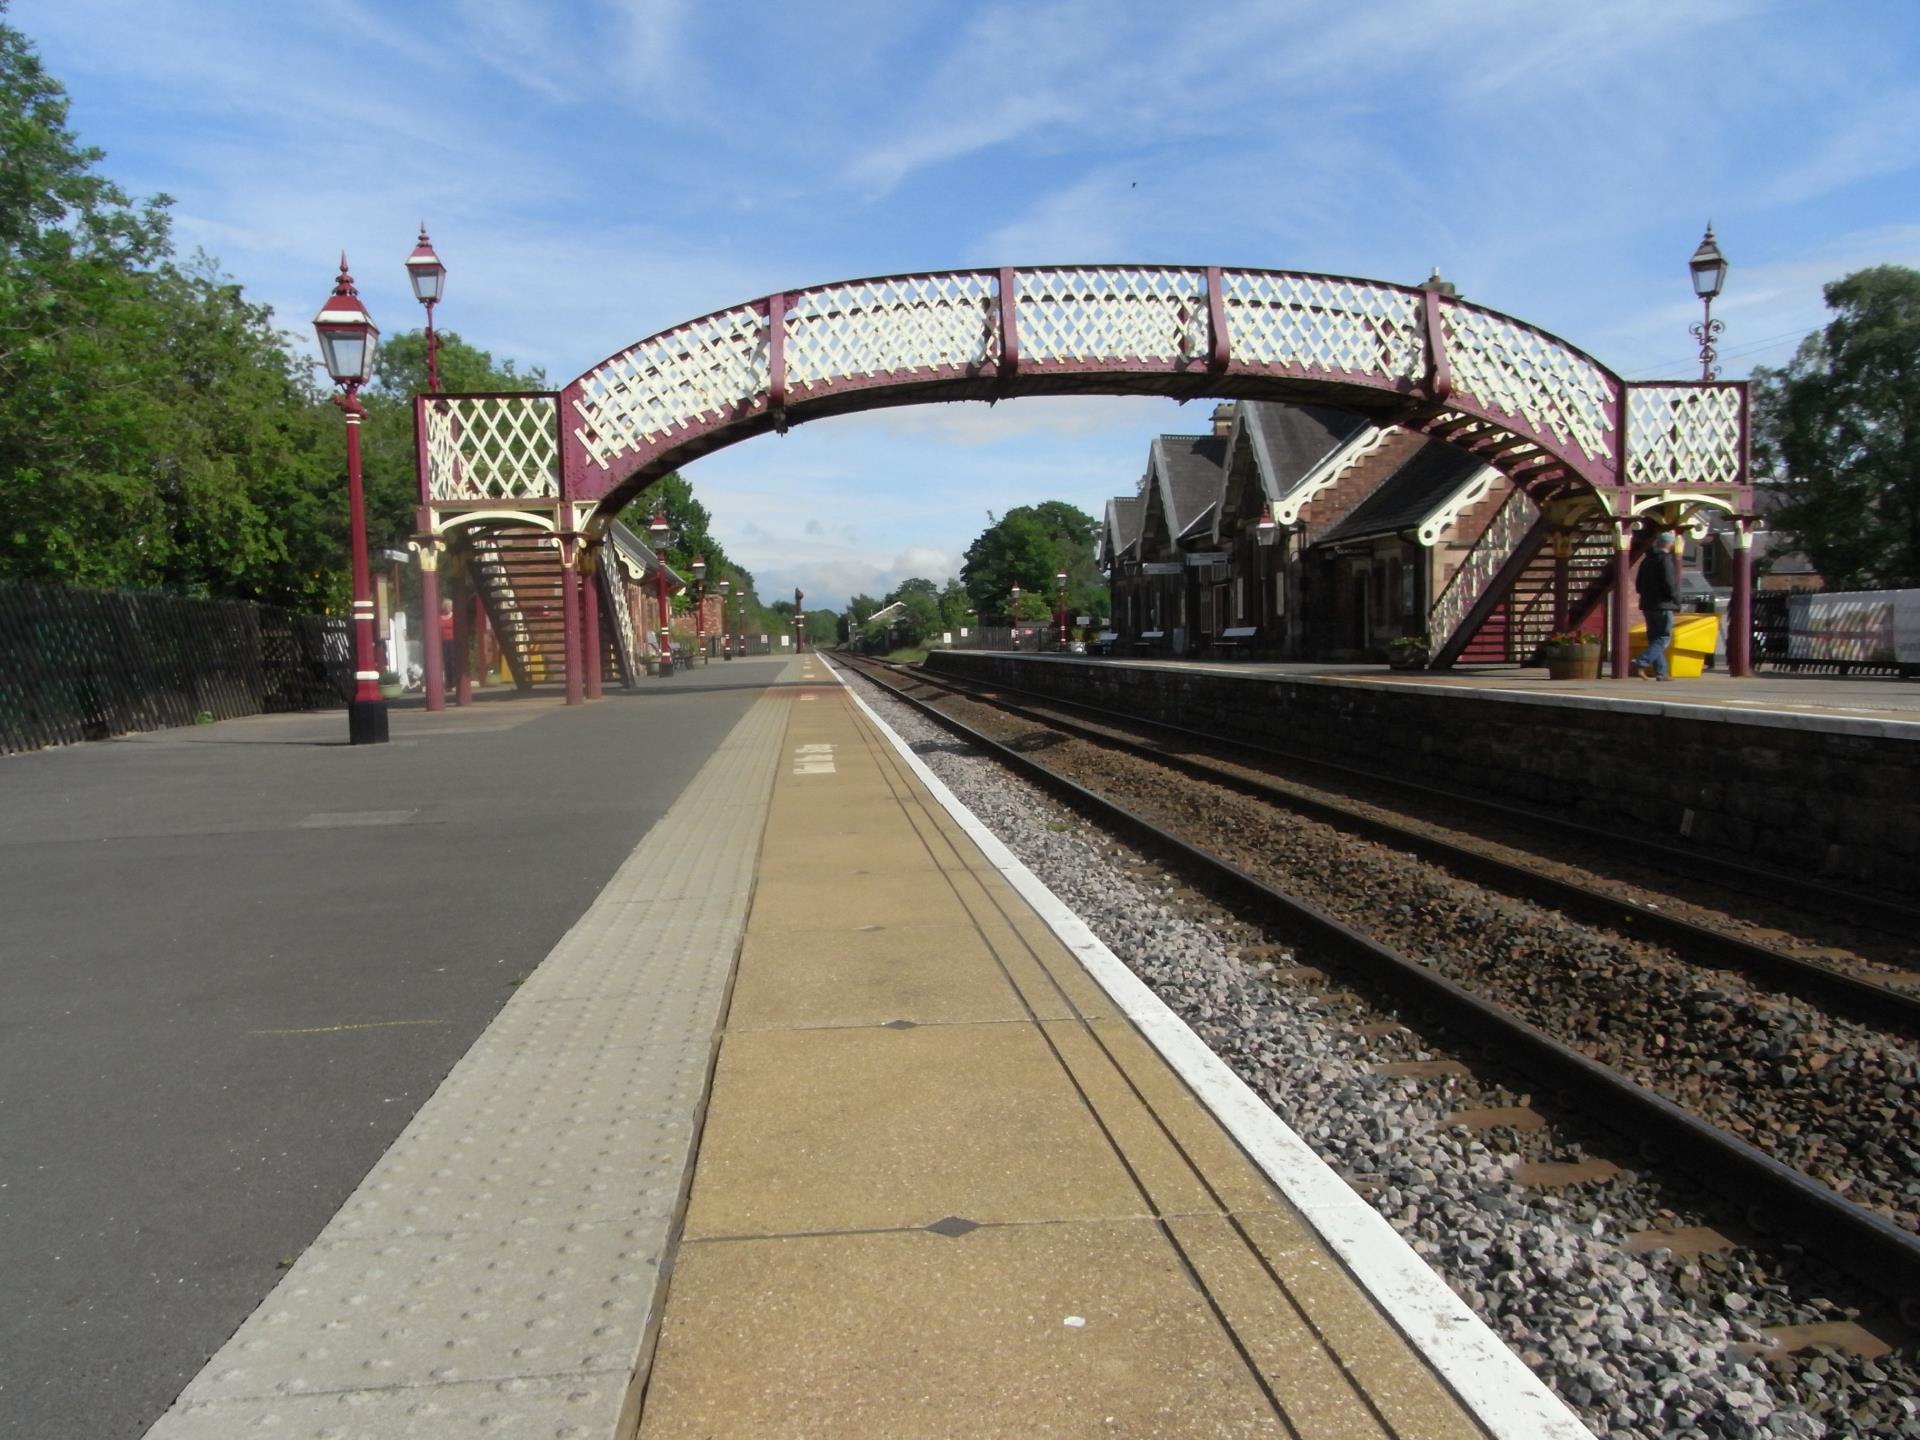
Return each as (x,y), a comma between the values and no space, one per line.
(1572,655)
(1409,652)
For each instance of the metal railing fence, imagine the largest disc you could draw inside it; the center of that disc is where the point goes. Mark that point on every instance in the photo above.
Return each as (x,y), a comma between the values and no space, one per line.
(89,664)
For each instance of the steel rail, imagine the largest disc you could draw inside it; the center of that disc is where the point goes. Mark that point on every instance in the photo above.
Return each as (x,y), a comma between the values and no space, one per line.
(1768,1193)
(1888,916)
(1880,1007)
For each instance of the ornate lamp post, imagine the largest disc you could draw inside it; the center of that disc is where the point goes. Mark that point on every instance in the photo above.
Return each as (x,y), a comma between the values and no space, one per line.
(658,530)
(726,635)
(347,337)
(1060,605)
(699,568)
(1709,269)
(1013,616)
(428,277)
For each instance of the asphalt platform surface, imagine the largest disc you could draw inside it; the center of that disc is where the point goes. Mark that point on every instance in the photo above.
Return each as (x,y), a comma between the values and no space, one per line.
(236,959)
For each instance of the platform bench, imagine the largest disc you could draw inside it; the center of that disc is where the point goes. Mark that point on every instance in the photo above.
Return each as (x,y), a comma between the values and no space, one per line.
(1148,641)
(1235,640)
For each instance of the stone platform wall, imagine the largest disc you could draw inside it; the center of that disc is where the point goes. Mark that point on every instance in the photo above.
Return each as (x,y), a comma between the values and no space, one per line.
(1841,800)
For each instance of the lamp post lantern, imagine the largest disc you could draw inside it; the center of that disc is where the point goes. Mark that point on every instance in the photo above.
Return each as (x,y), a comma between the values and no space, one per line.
(347,338)
(428,276)
(1709,269)
(1060,605)
(726,635)
(658,530)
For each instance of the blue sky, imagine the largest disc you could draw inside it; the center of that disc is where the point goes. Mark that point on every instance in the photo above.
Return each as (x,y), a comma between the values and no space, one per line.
(593,171)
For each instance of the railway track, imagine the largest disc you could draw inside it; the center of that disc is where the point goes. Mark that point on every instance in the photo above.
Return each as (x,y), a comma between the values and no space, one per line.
(1876,1251)
(1888,915)
(1852,993)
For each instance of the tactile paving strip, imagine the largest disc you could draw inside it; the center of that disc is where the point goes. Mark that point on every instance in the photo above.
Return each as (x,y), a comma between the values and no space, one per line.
(495,1271)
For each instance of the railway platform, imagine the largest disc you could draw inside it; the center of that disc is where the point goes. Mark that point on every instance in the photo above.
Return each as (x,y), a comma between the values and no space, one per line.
(827,1119)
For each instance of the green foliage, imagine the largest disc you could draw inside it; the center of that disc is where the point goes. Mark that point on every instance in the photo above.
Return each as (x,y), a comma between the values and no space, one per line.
(1028,546)
(1839,428)
(155,429)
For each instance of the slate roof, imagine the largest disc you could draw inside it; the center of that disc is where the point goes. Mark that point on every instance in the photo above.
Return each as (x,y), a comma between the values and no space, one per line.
(1290,441)
(1407,496)
(1189,470)
(1126,515)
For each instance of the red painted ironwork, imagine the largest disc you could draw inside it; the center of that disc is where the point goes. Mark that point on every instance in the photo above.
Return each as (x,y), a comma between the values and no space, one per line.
(1009,365)
(433,651)
(777,360)
(570,622)
(469,621)
(591,655)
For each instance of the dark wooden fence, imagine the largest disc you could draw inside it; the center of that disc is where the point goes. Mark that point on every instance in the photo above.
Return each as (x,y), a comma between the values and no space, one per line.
(88,664)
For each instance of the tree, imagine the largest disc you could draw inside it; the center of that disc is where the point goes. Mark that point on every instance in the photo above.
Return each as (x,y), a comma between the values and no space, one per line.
(1027,547)
(956,607)
(1839,429)
(75,411)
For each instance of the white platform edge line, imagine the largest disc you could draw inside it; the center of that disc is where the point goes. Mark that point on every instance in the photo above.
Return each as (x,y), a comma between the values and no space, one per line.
(1494,1383)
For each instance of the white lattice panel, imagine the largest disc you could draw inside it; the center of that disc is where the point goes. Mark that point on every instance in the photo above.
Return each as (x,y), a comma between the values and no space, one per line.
(1509,526)
(1684,435)
(1313,322)
(701,371)
(483,448)
(1118,315)
(1507,366)
(914,323)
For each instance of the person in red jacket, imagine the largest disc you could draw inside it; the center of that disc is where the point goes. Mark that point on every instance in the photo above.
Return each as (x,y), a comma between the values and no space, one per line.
(449,660)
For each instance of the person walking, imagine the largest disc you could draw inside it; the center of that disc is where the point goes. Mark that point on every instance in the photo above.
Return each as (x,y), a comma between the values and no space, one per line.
(450,659)
(1658,586)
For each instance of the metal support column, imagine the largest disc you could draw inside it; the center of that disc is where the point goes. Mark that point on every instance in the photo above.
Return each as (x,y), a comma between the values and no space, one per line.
(433,651)
(1740,614)
(590,654)
(1622,593)
(570,621)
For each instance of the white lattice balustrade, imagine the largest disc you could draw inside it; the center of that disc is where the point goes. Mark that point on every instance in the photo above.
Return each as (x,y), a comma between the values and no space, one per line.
(712,373)
(928,324)
(1514,369)
(704,371)
(491,447)
(1684,435)
(1323,324)
(1114,316)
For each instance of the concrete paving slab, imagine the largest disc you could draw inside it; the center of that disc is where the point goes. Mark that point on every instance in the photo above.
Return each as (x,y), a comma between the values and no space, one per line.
(869,1132)
(929,974)
(1237,1183)
(1318,1397)
(1067,1330)
(884,900)
(1398,1383)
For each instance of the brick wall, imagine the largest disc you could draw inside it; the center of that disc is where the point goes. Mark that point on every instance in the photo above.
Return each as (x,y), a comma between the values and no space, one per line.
(1842,800)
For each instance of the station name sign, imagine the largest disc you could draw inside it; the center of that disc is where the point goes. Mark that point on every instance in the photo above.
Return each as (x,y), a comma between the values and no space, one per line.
(1161,567)
(1209,557)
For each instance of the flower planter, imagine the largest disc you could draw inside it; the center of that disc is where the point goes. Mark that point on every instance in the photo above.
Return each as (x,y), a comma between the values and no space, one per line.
(1572,662)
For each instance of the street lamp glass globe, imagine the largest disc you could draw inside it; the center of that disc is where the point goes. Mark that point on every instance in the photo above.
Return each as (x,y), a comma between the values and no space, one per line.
(1709,268)
(346,332)
(425,272)
(699,567)
(657,527)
